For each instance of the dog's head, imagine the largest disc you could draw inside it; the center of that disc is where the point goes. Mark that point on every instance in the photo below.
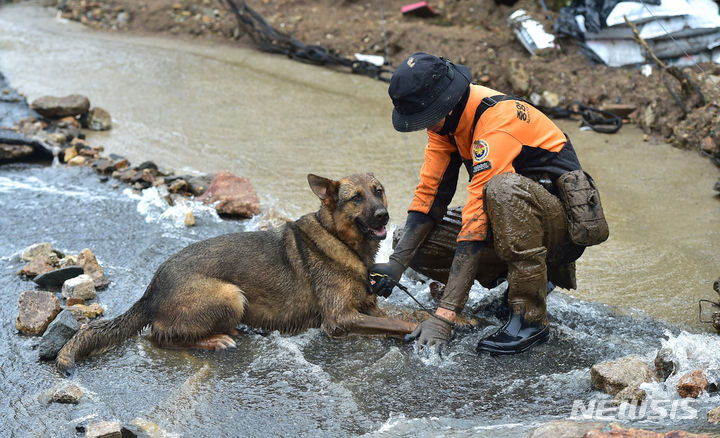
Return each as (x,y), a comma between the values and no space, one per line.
(357,204)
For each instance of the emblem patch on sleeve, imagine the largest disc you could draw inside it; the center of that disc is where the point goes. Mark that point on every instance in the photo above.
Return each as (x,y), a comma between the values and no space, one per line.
(480,150)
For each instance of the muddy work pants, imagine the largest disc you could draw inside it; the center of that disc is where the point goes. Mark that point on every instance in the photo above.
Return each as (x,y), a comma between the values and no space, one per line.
(528,244)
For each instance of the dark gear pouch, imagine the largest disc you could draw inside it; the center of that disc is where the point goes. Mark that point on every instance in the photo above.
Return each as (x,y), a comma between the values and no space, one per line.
(586,222)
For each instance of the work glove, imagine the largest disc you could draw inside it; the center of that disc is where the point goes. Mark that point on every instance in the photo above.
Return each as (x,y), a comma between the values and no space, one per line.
(384,277)
(434,331)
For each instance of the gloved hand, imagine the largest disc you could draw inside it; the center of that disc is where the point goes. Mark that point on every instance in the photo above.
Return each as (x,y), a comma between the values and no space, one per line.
(384,276)
(436,331)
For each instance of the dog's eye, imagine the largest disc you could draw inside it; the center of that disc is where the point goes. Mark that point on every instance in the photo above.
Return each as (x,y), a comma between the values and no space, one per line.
(357,198)
(378,192)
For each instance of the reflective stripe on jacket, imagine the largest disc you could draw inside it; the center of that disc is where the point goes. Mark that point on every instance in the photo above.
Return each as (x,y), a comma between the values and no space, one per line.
(509,136)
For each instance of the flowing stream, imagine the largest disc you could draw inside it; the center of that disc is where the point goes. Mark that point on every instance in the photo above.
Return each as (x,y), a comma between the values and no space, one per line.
(197,107)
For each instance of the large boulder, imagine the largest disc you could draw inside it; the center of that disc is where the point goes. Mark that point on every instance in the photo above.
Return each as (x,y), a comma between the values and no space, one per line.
(57,334)
(232,195)
(622,377)
(56,107)
(36,310)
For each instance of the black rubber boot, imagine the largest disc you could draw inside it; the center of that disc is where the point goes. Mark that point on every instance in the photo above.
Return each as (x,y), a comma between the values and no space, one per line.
(515,336)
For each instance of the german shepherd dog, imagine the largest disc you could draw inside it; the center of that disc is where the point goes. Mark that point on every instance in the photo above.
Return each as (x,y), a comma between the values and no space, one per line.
(310,273)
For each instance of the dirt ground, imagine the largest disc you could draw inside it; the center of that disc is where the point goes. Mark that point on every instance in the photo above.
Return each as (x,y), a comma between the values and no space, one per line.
(470,32)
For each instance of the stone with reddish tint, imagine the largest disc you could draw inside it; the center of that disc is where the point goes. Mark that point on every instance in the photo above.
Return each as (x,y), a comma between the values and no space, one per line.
(86,258)
(36,250)
(565,429)
(83,313)
(692,384)
(615,430)
(39,266)
(232,195)
(36,310)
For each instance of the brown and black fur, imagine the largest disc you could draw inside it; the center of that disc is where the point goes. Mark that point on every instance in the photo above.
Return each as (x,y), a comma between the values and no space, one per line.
(311,273)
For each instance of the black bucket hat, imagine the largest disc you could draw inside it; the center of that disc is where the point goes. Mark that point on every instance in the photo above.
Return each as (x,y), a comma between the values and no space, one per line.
(424,89)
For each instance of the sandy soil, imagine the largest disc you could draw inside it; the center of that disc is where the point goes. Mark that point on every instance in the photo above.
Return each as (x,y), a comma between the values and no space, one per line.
(471,32)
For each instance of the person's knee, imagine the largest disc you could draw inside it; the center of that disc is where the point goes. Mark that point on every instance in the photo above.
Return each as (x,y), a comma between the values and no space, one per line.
(502,188)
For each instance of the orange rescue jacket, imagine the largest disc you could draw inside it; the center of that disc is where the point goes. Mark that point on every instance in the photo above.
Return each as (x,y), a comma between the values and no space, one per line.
(496,133)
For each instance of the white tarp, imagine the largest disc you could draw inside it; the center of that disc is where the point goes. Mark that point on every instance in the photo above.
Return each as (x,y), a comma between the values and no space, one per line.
(673,29)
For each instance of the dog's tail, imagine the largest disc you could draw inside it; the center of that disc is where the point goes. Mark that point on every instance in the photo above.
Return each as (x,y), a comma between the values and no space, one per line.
(101,335)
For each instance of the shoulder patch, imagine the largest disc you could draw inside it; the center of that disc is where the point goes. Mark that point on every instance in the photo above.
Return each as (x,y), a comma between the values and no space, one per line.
(480,150)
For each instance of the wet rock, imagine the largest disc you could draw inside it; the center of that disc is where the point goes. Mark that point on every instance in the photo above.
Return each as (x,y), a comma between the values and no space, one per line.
(692,384)
(37,250)
(83,313)
(56,277)
(614,376)
(86,259)
(615,430)
(39,265)
(69,153)
(73,301)
(15,145)
(10,152)
(81,286)
(197,185)
(565,429)
(665,363)
(57,334)
(66,392)
(713,377)
(57,107)
(36,310)
(147,165)
(97,119)
(68,260)
(630,394)
(103,429)
(77,161)
(714,416)
(189,218)
(177,185)
(232,195)
(105,166)
(125,175)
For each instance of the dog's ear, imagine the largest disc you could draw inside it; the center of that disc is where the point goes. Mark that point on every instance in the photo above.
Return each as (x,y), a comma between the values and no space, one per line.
(325,189)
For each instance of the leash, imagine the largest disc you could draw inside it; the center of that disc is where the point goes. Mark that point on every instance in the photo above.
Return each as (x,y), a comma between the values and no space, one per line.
(404,289)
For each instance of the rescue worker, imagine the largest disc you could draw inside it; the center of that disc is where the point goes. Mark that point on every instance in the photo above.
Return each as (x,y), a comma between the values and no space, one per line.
(514,154)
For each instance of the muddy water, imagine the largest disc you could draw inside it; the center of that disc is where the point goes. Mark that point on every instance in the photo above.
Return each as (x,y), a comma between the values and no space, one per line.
(198,107)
